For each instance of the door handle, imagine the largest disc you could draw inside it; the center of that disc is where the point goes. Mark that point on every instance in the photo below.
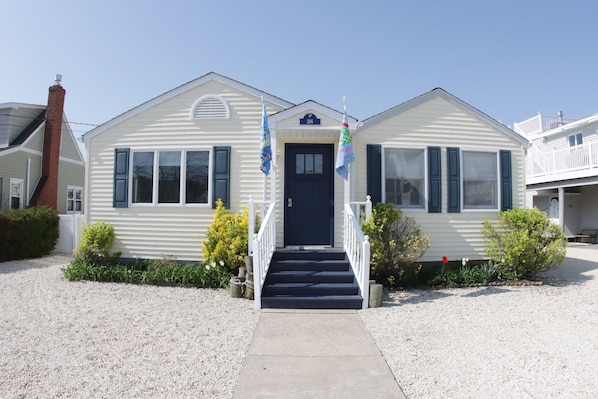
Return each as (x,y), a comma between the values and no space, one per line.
(289,202)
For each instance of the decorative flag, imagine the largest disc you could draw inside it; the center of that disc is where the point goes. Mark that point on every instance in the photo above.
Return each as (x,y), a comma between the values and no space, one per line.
(345,149)
(265,149)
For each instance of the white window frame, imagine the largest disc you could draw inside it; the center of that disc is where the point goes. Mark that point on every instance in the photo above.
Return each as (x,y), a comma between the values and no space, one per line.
(74,199)
(469,208)
(423,208)
(183,178)
(575,137)
(21,183)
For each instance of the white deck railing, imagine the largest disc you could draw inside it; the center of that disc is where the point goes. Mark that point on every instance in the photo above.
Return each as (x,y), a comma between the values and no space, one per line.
(357,247)
(264,244)
(566,160)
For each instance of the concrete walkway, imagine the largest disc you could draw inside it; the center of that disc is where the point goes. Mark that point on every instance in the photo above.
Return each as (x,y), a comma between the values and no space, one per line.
(314,354)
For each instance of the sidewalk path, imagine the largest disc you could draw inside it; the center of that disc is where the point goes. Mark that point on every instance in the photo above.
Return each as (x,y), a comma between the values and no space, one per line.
(314,354)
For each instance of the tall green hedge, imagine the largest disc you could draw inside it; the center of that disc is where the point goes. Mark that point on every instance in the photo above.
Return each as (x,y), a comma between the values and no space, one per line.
(28,233)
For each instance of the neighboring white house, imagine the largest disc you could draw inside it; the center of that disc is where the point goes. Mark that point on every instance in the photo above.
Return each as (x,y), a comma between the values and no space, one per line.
(562,170)
(155,171)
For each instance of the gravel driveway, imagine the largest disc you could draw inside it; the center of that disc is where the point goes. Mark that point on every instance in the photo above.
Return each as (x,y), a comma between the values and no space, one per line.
(84,339)
(498,342)
(100,340)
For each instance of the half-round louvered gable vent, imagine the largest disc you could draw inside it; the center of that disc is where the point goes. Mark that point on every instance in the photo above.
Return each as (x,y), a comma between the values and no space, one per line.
(210,107)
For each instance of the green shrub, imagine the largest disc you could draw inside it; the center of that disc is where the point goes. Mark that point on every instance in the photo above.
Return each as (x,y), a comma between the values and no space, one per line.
(226,239)
(28,233)
(523,242)
(166,271)
(396,242)
(96,241)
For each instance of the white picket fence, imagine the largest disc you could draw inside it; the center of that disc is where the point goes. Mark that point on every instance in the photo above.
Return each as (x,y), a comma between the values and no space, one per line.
(69,232)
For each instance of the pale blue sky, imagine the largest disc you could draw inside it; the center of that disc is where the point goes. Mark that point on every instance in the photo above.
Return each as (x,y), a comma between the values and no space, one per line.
(510,59)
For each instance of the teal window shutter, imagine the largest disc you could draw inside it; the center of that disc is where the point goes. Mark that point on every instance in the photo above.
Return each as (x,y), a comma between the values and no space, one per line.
(506,181)
(374,172)
(454,180)
(221,176)
(120,193)
(434,183)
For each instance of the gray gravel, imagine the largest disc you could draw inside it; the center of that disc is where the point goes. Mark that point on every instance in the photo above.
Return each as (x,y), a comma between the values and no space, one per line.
(85,339)
(500,342)
(98,340)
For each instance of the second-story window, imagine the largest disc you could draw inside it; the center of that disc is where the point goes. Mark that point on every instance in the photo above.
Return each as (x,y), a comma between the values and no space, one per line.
(575,139)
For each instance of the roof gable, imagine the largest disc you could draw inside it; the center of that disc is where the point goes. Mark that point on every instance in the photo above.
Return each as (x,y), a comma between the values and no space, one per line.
(440,93)
(212,76)
(299,111)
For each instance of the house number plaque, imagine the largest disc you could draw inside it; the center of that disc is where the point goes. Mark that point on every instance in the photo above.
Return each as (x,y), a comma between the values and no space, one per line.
(309,119)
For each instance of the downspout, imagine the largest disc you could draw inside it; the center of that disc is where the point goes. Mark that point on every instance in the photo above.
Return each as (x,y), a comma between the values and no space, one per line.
(28,180)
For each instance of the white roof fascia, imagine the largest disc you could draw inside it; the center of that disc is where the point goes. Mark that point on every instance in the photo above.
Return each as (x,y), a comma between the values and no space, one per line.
(212,76)
(438,92)
(310,105)
(568,126)
(21,105)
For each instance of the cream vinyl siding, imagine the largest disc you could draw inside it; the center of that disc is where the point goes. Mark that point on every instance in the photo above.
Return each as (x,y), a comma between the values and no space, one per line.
(155,231)
(439,123)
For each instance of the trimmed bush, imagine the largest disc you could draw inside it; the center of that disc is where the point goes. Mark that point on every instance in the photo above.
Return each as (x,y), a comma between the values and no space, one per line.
(396,242)
(28,233)
(523,242)
(96,241)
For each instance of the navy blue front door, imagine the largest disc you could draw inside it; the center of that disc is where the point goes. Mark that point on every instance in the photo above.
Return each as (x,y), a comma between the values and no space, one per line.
(309,194)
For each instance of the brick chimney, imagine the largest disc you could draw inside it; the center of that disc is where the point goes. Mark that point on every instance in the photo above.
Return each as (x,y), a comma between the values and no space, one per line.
(46,192)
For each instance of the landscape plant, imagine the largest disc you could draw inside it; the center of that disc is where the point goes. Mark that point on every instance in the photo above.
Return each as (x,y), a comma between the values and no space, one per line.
(28,233)
(96,242)
(165,271)
(226,239)
(523,242)
(396,243)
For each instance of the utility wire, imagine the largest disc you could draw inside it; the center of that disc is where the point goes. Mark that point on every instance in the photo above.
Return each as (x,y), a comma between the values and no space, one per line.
(33,117)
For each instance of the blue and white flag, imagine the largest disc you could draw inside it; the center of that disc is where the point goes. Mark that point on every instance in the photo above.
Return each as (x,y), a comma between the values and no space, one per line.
(265,149)
(345,149)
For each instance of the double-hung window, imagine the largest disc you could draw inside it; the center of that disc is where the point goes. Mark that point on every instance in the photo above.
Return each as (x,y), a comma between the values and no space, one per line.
(74,199)
(480,180)
(170,177)
(405,177)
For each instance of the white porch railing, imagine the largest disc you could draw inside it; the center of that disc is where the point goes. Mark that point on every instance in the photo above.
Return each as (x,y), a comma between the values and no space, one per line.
(263,244)
(357,247)
(566,160)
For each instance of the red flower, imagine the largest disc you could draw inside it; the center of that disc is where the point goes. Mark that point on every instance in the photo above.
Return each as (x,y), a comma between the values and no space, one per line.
(444,260)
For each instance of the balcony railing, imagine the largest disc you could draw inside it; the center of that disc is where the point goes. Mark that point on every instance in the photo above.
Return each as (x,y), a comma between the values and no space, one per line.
(566,160)
(540,123)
